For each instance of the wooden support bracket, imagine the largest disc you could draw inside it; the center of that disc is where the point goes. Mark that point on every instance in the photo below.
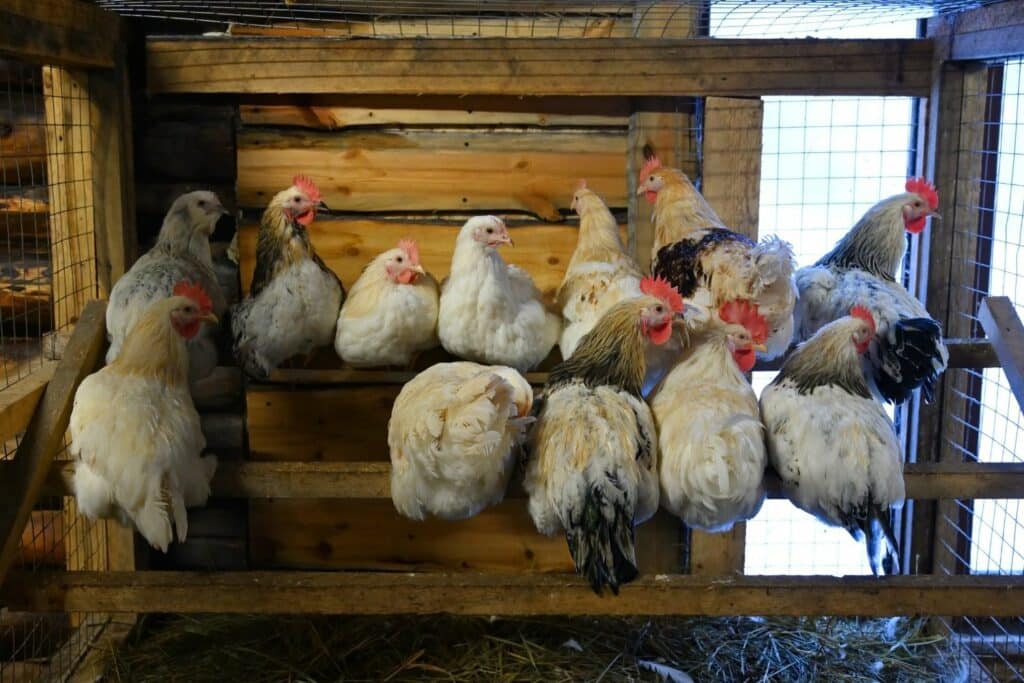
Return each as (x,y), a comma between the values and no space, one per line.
(1004,329)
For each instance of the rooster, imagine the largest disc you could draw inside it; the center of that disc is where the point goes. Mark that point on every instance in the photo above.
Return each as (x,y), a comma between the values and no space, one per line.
(135,434)
(593,454)
(182,252)
(712,451)
(710,264)
(600,272)
(454,433)
(907,351)
(390,314)
(294,300)
(491,312)
(832,444)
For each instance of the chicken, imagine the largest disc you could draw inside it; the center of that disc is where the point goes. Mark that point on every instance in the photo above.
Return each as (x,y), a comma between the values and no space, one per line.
(709,263)
(491,312)
(182,252)
(135,435)
(390,314)
(907,351)
(832,444)
(454,433)
(711,442)
(592,466)
(294,300)
(600,273)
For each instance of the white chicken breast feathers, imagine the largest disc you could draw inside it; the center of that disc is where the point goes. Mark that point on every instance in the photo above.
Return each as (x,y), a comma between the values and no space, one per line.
(491,312)
(140,455)
(835,452)
(453,436)
(585,428)
(711,441)
(589,290)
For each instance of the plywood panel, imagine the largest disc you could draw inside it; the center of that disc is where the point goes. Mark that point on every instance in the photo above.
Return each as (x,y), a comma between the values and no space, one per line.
(434,170)
(370,535)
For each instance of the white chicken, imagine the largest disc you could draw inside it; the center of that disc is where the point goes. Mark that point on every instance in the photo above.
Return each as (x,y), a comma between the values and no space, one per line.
(135,434)
(832,444)
(454,433)
(182,252)
(712,453)
(390,314)
(293,303)
(600,273)
(491,312)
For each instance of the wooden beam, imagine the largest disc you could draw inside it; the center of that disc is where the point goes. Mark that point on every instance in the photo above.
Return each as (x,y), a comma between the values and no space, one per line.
(44,436)
(989,32)
(71,33)
(526,66)
(1003,326)
(18,401)
(487,595)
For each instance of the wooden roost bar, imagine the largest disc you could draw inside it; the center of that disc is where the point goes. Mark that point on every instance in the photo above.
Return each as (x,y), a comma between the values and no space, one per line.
(406,136)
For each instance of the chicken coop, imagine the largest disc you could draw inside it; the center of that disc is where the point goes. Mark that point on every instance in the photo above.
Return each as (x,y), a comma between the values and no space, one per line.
(791,118)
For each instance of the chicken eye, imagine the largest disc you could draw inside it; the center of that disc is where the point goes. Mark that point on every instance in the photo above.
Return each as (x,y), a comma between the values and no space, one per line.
(296,199)
(202,202)
(490,230)
(651,178)
(659,309)
(399,259)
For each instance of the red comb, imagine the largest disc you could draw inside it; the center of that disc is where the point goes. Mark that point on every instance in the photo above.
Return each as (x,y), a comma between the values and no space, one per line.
(651,164)
(307,186)
(661,289)
(412,249)
(741,312)
(925,189)
(864,314)
(196,293)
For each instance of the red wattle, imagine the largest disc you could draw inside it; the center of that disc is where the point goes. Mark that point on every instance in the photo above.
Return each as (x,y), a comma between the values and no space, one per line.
(915,226)
(651,196)
(188,330)
(306,218)
(745,359)
(661,333)
(407,277)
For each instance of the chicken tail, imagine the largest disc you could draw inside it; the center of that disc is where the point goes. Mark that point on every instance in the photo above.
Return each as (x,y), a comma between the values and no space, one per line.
(774,259)
(883,551)
(600,537)
(910,354)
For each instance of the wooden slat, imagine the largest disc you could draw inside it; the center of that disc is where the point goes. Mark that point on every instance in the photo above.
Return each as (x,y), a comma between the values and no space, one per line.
(18,401)
(45,433)
(22,143)
(42,540)
(434,170)
(346,246)
(527,66)
(68,32)
(24,218)
(487,595)
(989,32)
(731,169)
(334,113)
(718,554)
(371,535)
(1003,327)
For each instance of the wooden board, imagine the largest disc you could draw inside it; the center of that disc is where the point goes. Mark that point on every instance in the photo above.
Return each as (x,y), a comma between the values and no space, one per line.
(731,169)
(371,535)
(1003,326)
(347,245)
(989,32)
(488,595)
(22,144)
(69,32)
(333,113)
(434,170)
(18,401)
(539,66)
(24,219)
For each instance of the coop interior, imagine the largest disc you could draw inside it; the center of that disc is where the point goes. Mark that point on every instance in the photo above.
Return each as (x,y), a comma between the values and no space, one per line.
(792,119)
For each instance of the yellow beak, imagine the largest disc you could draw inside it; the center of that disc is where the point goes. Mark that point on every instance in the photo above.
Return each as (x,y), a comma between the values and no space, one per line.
(759,347)
(209,317)
(418,269)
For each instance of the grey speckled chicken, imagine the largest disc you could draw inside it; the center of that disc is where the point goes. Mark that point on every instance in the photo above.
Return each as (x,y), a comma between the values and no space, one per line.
(293,303)
(181,253)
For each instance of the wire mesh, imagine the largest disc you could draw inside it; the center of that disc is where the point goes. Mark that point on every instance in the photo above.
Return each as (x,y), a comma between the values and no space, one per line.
(539,18)
(983,421)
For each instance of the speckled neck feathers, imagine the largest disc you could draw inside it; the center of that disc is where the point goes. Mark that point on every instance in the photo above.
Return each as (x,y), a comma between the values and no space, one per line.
(611,354)
(829,358)
(876,243)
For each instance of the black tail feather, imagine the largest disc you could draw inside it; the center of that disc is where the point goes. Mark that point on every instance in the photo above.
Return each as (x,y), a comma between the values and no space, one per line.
(602,545)
(883,551)
(911,355)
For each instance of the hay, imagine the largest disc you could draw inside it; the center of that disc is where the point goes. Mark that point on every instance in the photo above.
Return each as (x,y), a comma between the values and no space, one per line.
(271,648)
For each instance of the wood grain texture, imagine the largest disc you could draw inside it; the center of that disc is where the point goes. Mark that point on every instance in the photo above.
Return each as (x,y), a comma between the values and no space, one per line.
(718,554)
(22,144)
(434,170)
(371,535)
(486,595)
(69,32)
(18,401)
(731,170)
(539,66)
(988,32)
(1003,327)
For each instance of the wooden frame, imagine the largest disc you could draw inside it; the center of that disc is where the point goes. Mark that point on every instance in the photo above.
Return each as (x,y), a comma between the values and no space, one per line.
(71,33)
(988,32)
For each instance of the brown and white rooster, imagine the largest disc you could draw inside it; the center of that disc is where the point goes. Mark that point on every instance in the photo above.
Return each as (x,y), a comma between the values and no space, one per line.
(710,264)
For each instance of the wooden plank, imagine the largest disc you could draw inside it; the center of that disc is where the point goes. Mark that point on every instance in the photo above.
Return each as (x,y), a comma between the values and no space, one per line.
(334,113)
(718,554)
(487,595)
(18,401)
(731,166)
(371,535)
(528,66)
(990,32)
(434,170)
(346,246)
(41,540)
(22,143)
(67,32)
(70,183)
(45,433)
(24,219)
(1003,326)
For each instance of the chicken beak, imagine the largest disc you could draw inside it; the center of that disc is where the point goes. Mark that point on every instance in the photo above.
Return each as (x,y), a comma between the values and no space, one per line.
(209,317)
(641,189)
(760,348)
(936,216)
(321,205)
(418,269)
